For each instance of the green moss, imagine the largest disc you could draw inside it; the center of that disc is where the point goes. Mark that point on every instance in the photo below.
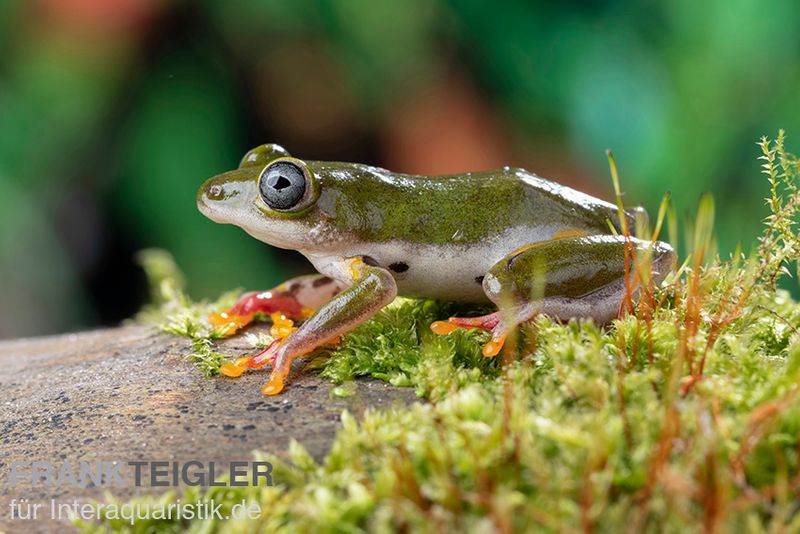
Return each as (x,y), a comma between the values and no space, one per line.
(397,346)
(172,311)
(684,414)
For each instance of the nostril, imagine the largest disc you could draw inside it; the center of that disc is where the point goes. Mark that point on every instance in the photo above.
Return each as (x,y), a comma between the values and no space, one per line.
(215,192)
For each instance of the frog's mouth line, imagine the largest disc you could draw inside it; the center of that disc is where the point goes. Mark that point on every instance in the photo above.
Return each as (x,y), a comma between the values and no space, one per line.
(208,211)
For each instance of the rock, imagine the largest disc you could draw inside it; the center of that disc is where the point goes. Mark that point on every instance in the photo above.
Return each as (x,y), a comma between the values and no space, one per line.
(129,394)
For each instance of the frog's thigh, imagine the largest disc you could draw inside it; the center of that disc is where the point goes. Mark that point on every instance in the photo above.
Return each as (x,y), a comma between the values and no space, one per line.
(565,278)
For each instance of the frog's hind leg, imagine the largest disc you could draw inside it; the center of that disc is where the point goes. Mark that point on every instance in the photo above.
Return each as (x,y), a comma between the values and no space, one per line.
(580,277)
(293,300)
(499,323)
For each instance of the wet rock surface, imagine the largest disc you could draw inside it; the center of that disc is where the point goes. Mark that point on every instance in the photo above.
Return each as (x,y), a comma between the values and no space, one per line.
(130,394)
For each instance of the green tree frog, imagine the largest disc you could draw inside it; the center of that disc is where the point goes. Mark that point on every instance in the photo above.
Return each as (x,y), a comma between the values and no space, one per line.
(505,237)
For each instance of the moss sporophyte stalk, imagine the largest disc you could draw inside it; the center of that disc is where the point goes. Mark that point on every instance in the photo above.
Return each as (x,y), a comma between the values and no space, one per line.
(683,413)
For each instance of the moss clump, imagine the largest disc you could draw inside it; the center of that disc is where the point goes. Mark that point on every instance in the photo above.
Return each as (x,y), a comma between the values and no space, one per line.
(173,312)
(682,414)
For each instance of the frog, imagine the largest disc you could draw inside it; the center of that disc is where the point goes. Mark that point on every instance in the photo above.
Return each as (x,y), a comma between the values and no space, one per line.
(505,238)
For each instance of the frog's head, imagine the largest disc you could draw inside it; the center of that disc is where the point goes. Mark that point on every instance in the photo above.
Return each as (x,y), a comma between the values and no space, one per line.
(271,196)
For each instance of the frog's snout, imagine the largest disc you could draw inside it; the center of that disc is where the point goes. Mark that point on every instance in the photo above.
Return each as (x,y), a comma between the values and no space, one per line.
(209,199)
(225,197)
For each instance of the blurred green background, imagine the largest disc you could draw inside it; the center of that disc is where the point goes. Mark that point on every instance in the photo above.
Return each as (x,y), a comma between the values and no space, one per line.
(112,113)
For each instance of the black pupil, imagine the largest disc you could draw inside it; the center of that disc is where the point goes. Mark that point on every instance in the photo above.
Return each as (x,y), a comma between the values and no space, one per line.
(283,184)
(280,183)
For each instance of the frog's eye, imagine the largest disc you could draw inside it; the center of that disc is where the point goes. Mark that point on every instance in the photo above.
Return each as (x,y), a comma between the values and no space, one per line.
(263,154)
(283,184)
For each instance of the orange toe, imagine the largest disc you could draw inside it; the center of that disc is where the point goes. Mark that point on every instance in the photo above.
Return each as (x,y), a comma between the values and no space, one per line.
(442,328)
(281,325)
(492,348)
(236,368)
(281,332)
(217,319)
(233,322)
(231,371)
(274,386)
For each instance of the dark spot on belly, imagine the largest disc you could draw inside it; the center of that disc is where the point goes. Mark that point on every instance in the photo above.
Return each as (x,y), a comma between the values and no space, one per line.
(369,260)
(294,288)
(479,279)
(322,281)
(399,266)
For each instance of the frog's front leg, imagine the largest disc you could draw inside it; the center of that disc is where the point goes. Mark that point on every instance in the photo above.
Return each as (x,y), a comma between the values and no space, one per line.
(294,300)
(372,289)
(581,277)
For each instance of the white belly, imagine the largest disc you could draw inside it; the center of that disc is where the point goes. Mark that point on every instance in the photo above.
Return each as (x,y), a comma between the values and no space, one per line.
(447,272)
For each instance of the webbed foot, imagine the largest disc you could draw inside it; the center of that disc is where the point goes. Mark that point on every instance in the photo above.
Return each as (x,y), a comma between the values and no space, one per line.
(491,322)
